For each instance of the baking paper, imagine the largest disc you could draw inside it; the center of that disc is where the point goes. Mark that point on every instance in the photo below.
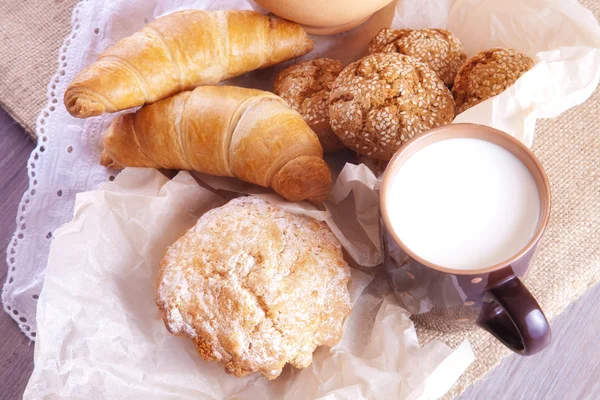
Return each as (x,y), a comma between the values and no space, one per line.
(101,336)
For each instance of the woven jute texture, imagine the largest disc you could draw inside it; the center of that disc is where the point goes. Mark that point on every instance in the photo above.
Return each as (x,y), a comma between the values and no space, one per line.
(31,33)
(568,260)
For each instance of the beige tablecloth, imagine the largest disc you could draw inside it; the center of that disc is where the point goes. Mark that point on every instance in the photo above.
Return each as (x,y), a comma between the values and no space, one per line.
(568,261)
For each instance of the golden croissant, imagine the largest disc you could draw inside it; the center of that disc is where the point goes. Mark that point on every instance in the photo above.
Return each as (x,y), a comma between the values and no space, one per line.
(226,131)
(179,52)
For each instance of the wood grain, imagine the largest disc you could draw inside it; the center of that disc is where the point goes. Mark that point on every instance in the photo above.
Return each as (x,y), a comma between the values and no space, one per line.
(16,351)
(568,370)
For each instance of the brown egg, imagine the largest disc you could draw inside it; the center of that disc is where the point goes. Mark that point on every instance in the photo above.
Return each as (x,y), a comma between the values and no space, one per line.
(325,17)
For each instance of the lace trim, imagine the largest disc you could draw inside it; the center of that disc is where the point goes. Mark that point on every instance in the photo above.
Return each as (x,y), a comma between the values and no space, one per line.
(28,326)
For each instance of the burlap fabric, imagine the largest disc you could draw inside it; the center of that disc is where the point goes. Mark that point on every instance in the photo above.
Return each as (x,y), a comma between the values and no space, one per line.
(31,33)
(568,260)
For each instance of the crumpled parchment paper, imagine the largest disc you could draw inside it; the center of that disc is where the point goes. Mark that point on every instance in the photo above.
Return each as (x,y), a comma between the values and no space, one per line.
(101,335)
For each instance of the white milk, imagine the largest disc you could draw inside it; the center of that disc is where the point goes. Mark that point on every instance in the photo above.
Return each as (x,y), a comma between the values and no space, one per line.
(464,204)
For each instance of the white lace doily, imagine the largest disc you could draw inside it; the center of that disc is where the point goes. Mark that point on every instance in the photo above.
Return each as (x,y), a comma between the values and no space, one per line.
(62,164)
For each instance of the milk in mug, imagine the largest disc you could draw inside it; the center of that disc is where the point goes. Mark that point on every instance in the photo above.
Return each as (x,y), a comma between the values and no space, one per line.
(464,204)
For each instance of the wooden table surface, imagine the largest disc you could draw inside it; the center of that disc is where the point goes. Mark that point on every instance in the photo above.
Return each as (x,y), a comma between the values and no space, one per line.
(16,351)
(568,370)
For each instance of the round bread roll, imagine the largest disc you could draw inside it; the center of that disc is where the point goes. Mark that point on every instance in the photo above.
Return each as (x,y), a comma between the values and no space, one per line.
(305,87)
(438,48)
(255,287)
(487,74)
(380,101)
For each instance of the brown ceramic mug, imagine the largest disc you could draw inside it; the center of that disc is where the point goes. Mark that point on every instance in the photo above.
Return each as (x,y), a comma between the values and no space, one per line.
(492,297)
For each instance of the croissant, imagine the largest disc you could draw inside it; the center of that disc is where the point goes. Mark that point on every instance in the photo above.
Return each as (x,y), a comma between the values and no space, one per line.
(179,52)
(226,131)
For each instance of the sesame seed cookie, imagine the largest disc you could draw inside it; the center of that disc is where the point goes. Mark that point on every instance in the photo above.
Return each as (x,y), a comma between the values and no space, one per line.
(438,48)
(487,74)
(382,100)
(305,87)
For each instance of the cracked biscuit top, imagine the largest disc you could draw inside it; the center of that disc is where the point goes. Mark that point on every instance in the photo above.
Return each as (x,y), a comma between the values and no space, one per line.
(305,87)
(438,48)
(487,74)
(380,101)
(255,287)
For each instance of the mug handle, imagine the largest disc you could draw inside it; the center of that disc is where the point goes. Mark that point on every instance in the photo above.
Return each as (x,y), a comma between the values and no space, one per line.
(515,318)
